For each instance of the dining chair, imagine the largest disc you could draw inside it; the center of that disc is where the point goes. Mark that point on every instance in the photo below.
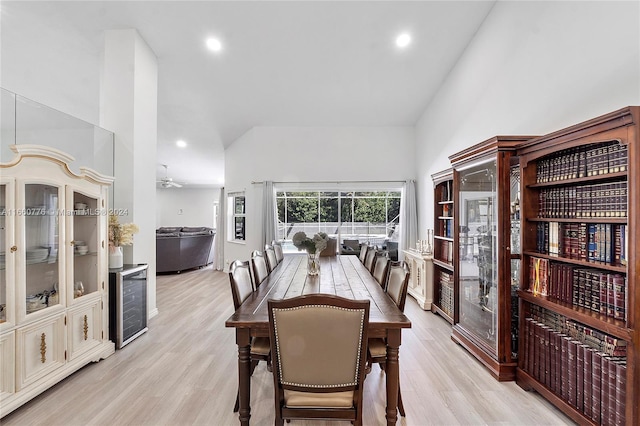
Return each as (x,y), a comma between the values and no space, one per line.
(260,268)
(363,252)
(331,249)
(277,247)
(241,289)
(397,285)
(370,258)
(270,254)
(380,269)
(318,344)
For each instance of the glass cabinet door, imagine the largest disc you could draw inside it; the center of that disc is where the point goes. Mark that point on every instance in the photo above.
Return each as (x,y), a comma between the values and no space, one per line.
(478,270)
(85,243)
(42,239)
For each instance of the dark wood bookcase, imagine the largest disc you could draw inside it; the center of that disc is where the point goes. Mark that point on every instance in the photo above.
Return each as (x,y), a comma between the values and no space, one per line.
(579,295)
(486,193)
(444,289)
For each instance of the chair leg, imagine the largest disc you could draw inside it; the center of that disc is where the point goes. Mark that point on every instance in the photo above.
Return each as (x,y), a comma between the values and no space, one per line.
(400,405)
(236,407)
(254,363)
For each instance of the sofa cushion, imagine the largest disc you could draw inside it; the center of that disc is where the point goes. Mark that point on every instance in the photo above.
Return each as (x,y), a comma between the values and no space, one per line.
(167,234)
(168,229)
(195,229)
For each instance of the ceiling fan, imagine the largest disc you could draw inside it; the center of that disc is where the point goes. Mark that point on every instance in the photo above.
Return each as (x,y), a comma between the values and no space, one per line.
(166,181)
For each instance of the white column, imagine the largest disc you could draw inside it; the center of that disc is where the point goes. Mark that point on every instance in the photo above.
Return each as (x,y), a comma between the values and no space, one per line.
(128,107)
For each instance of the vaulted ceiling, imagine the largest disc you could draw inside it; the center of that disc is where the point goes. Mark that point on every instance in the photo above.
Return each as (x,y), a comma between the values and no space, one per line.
(288,63)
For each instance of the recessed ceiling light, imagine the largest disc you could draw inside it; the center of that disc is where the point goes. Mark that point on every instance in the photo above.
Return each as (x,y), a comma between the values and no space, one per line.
(403,40)
(181,144)
(214,44)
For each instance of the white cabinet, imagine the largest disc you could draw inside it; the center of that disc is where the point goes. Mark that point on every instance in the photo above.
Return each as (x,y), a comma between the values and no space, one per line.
(421,281)
(53,270)
(40,350)
(7,359)
(85,328)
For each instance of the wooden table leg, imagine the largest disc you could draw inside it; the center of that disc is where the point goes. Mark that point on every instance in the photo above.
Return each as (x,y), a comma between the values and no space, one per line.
(243,340)
(392,374)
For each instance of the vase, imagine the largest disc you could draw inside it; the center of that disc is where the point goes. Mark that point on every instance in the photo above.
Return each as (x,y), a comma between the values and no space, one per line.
(313,263)
(115,257)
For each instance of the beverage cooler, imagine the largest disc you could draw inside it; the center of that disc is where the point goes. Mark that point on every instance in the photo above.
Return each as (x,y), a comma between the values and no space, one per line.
(127,303)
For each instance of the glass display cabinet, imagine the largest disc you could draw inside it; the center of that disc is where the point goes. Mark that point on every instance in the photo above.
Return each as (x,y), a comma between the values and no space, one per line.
(486,190)
(53,271)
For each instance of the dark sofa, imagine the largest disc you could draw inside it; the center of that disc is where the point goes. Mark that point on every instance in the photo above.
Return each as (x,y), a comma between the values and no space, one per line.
(182,248)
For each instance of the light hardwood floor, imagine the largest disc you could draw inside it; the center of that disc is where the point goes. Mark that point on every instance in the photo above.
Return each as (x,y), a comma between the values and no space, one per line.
(183,372)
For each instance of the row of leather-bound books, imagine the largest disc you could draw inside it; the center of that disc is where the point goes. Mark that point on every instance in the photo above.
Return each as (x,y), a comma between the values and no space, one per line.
(584,201)
(590,380)
(599,291)
(592,242)
(583,161)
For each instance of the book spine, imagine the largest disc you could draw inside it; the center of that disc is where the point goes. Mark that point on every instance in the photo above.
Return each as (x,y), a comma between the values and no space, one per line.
(612,391)
(588,383)
(579,377)
(605,391)
(621,393)
(596,389)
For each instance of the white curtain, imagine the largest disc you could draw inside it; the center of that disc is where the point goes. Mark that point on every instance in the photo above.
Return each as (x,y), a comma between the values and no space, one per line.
(268,213)
(218,260)
(408,218)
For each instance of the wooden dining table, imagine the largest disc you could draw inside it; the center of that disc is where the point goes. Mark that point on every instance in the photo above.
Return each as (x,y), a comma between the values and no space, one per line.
(343,276)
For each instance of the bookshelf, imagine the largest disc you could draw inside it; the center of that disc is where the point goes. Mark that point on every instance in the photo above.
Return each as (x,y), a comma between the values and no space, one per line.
(444,289)
(487,239)
(579,294)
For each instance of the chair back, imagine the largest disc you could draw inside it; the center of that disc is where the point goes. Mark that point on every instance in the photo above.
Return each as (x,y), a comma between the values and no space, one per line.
(398,283)
(380,270)
(240,279)
(370,258)
(363,252)
(329,333)
(270,254)
(277,247)
(259,266)
(331,249)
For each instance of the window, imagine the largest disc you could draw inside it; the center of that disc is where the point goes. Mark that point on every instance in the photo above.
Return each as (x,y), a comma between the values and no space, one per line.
(370,217)
(237,217)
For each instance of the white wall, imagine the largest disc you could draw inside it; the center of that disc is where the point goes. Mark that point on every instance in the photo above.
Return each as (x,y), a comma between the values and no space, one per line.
(185,207)
(311,154)
(31,48)
(533,68)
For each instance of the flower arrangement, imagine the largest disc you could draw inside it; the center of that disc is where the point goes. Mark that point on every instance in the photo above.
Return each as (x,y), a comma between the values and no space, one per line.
(310,245)
(120,234)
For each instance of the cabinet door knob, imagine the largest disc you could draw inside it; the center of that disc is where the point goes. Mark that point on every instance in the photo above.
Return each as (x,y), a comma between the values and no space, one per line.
(72,243)
(14,249)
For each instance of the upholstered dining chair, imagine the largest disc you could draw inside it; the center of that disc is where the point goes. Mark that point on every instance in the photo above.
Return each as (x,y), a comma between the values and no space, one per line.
(370,258)
(260,268)
(397,285)
(331,249)
(380,269)
(277,247)
(270,254)
(363,252)
(319,345)
(241,288)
